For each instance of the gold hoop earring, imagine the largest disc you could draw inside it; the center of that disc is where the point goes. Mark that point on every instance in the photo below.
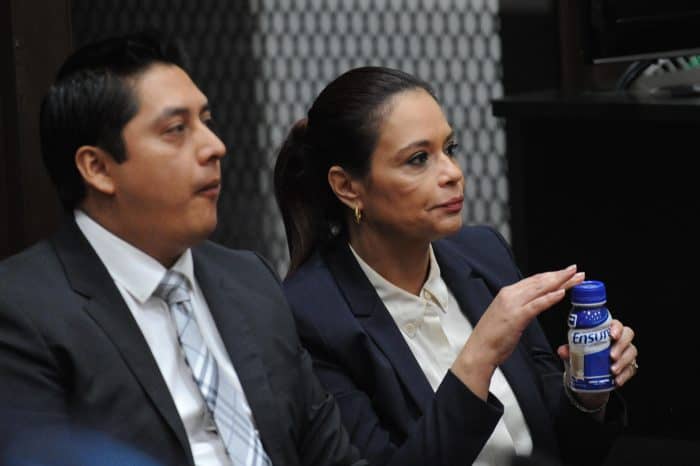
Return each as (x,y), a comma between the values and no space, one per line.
(358,214)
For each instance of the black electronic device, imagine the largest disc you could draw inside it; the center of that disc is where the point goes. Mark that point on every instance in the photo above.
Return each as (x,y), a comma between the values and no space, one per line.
(630,30)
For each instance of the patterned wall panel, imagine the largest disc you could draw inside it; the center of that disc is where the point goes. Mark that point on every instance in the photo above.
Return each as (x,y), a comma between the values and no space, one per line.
(261,62)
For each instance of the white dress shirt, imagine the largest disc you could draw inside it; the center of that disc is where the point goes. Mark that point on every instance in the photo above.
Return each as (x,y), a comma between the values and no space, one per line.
(435,330)
(136,276)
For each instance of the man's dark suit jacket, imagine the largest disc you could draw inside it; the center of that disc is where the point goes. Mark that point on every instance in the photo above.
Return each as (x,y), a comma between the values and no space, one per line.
(71,352)
(386,402)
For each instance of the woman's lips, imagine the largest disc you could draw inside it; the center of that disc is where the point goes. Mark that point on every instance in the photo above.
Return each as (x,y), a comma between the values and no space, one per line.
(453,205)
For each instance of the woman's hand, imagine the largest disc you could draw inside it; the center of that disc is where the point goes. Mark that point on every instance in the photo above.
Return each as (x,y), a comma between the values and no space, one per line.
(623,356)
(496,335)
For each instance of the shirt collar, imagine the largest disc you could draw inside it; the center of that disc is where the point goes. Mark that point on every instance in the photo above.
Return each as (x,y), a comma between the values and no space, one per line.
(133,269)
(434,287)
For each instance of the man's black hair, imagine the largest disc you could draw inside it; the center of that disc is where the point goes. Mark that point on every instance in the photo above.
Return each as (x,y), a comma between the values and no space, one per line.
(92,99)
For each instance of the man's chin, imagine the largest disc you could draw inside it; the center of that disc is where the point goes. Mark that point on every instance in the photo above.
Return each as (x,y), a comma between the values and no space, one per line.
(207,231)
(200,231)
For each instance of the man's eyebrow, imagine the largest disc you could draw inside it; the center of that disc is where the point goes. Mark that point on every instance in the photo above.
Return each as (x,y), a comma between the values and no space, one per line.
(171,112)
(184,111)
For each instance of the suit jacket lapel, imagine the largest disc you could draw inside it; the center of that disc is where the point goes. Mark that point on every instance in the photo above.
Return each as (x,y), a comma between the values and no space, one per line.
(471,292)
(89,277)
(474,296)
(228,305)
(377,322)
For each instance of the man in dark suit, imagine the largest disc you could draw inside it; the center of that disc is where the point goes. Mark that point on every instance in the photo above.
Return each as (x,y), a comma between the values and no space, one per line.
(127,322)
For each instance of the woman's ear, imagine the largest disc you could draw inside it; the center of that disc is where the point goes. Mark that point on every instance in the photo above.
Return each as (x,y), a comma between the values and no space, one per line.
(348,189)
(94,166)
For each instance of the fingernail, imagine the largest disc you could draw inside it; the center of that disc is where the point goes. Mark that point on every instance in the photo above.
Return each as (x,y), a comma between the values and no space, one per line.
(580,275)
(571,267)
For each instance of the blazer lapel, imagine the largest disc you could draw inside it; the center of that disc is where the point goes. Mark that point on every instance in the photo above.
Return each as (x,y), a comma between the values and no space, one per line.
(228,306)
(474,297)
(377,322)
(470,290)
(89,277)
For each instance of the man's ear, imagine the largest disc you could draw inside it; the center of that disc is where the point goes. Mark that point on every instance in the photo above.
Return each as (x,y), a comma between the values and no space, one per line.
(348,189)
(94,165)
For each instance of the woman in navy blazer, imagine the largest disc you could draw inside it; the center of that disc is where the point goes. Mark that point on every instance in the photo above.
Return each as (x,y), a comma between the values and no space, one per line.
(371,197)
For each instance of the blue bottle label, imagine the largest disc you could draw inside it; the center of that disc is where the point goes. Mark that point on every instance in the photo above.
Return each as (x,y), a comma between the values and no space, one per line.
(589,347)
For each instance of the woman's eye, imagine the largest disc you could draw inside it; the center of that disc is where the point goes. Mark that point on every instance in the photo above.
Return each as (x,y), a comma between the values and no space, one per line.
(176,129)
(418,159)
(452,149)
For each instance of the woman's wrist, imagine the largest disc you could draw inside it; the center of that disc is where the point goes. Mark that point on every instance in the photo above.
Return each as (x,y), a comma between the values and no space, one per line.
(588,403)
(473,373)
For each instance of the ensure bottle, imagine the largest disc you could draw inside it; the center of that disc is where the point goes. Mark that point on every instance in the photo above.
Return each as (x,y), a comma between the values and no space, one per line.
(589,339)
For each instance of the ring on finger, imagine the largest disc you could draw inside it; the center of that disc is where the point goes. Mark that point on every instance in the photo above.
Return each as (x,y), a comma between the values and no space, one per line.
(634,366)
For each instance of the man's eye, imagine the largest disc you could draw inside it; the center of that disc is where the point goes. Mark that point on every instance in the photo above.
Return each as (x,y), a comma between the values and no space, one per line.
(176,129)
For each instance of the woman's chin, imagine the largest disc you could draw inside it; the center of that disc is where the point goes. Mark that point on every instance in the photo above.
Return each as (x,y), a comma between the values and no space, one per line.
(449,227)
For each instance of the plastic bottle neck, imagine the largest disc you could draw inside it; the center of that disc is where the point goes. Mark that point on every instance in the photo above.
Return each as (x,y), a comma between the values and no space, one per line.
(599,304)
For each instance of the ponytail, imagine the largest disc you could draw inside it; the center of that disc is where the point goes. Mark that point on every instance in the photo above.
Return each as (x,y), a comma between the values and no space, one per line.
(300,195)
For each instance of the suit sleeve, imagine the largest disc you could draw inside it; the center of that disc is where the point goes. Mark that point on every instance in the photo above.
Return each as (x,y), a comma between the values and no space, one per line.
(452,431)
(31,391)
(322,439)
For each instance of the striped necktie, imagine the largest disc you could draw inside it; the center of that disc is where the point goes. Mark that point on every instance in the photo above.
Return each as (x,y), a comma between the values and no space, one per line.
(226,402)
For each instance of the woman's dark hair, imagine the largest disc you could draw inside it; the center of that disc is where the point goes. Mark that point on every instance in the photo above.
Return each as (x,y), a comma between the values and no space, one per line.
(92,99)
(342,128)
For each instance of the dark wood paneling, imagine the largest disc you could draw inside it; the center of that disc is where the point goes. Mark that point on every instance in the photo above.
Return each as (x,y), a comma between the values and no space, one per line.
(530,56)
(8,126)
(36,39)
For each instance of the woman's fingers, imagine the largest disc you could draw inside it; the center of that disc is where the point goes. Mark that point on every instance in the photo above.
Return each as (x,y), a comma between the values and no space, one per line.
(623,341)
(616,329)
(563,352)
(627,358)
(537,305)
(626,374)
(623,353)
(540,284)
(575,280)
